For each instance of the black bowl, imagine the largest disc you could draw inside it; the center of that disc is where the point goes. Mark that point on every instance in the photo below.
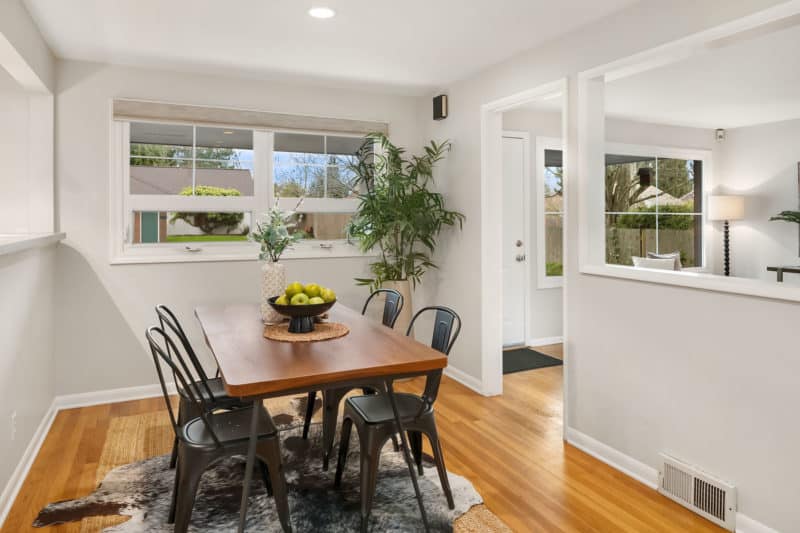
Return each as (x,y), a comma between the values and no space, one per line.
(301,316)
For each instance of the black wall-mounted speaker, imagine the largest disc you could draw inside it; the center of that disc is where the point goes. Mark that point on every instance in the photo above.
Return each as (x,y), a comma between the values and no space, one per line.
(440,107)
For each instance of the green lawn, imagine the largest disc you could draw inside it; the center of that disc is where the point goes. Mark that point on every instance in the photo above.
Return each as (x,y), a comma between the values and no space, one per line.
(206,238)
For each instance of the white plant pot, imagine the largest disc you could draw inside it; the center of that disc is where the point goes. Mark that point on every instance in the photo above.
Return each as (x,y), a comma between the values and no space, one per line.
(273,283)
(404,288)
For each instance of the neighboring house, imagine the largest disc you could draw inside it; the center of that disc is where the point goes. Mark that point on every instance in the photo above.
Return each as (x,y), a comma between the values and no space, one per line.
(151,227)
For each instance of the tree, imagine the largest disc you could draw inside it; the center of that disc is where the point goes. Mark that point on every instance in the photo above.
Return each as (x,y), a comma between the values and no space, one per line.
(210,222)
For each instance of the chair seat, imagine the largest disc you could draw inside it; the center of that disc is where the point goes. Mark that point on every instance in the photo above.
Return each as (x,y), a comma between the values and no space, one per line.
(377,409)
(217,387)
(229,426)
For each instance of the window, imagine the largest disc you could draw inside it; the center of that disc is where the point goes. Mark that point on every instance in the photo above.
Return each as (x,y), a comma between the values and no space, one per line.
(653,204)
(316,167)
(193,192)
(550,208)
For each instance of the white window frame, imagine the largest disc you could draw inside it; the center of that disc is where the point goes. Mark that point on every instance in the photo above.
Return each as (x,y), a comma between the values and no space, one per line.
(122,204)
(667,152)
(545,281)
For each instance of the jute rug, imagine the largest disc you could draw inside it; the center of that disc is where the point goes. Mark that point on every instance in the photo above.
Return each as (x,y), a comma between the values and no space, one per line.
(134,491)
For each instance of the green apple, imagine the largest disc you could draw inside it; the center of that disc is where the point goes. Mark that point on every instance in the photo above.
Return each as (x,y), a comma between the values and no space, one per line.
(315,300)
(327,295)
(294,288)
(311,290)
(299,299)
(282,300)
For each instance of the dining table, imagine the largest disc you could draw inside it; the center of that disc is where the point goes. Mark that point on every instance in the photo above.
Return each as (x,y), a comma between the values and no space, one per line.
(254,368)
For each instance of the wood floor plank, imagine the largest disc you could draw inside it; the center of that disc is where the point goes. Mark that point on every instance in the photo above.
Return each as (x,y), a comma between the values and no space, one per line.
(509,446)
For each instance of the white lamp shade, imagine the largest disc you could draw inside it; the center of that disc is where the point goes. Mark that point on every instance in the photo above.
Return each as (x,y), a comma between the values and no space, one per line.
(725,207)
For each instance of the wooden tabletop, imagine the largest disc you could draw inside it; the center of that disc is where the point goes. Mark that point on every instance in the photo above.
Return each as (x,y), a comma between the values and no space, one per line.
(252,365)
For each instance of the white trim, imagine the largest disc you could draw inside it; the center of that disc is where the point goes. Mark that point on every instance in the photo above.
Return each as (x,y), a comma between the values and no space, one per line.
(10,244)
(525,137)
(544,341)
(544,281)
(745,524)
(12,488)
(624,463)
(84,399)
(591,136)
(59,403)
(465,379)
(491,199)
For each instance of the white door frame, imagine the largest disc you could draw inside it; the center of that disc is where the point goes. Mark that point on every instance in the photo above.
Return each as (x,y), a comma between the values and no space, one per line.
(526,220)
(492,227)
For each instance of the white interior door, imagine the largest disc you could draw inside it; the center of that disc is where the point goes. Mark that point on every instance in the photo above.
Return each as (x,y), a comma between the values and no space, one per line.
(515,283)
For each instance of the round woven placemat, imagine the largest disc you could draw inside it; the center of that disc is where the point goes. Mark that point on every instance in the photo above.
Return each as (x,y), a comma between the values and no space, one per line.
(322,332)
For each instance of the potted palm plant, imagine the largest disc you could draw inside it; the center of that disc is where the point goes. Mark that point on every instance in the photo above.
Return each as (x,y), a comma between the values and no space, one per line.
(398,213)
(274,235)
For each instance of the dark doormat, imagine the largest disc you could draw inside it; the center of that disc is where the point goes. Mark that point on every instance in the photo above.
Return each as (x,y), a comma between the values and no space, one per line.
(521,359)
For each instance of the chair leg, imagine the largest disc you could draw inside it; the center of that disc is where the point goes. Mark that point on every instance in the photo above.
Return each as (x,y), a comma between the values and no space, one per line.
(415,442)
(330,416)
(173,504)
(265,476)
(269,452)
(344,444)
(370,459)
(191,468)
(438,457)
(312,398)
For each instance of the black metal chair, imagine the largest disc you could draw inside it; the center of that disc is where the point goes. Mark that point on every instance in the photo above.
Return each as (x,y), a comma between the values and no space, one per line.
(212,390)
(212,436)
(332,397)
(374,419)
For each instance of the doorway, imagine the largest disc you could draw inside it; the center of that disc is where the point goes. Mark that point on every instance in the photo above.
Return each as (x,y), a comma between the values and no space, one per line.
(515,241)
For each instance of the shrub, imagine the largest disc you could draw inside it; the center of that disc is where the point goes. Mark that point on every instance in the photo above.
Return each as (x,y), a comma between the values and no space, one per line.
(210,222)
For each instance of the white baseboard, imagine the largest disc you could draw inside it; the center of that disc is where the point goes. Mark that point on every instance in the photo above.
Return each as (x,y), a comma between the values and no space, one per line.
(545,341)
(614,458)
(644,474)
(84,399)
(745,524)
(465,379)
(67,401)
(11,489)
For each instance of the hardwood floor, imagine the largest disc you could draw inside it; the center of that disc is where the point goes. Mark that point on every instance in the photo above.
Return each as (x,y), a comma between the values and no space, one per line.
(510,447)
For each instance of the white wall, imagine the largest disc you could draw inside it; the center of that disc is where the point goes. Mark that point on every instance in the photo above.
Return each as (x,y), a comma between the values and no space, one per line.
(27,326)
(14,125)
(761,163)
(105,309)
(545,320)
(709,377)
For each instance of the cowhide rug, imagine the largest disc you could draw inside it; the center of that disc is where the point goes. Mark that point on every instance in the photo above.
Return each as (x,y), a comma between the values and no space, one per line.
(142,491)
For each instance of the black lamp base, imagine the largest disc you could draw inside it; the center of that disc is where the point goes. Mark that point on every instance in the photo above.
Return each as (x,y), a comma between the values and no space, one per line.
(726,246)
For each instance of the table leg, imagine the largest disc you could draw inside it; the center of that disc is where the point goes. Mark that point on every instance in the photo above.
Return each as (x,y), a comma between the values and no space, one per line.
(404,445)
(251,460)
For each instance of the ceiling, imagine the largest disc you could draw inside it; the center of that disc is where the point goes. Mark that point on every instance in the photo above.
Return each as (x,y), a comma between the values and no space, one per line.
(748,81)
(412,45)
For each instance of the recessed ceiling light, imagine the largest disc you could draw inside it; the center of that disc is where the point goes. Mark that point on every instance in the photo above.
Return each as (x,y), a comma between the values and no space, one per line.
(228,132)
(321,12)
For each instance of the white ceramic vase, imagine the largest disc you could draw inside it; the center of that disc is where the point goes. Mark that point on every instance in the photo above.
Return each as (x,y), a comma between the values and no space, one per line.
(404,288)
(273,283)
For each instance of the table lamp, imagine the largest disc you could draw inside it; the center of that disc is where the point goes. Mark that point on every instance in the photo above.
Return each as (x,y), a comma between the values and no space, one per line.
(726,208)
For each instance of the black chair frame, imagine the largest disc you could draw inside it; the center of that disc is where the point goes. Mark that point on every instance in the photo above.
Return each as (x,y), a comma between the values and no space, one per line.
(374,424)
(212,436)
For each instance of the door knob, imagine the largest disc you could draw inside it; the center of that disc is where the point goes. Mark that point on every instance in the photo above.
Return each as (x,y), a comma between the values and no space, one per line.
(518,243)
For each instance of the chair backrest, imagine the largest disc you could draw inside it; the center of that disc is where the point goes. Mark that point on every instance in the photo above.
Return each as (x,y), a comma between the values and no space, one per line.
(169,323)
(166,352)
(446,328)
(391,308)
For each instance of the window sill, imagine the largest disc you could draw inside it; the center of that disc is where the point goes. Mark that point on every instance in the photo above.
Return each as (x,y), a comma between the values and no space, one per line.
(698,280)
(13,243)
(228,252)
